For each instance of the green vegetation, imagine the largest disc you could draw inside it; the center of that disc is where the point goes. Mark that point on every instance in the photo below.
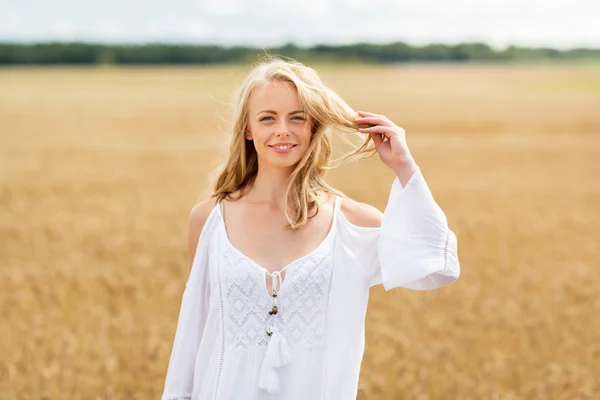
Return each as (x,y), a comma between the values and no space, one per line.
(90,53)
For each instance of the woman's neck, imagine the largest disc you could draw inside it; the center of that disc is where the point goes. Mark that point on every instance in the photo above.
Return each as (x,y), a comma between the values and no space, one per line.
(269,186)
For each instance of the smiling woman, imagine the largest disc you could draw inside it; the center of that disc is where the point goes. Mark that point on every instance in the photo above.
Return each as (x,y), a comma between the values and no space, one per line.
(285,103)
(274,223)
(282,128)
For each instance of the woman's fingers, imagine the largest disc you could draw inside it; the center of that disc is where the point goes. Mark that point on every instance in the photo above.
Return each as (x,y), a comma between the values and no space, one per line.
(364,114)
(378,120)
(368,114)
(378,126)
(361,126)
(378,129)
(377,139)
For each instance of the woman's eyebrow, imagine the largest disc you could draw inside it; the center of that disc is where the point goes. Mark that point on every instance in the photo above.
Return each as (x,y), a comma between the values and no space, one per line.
(274,112)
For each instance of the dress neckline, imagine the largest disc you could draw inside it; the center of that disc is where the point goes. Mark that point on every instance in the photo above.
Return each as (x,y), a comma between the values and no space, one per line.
(258,266)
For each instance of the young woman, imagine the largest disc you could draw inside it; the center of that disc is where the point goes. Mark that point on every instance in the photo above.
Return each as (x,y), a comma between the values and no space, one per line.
(282,263)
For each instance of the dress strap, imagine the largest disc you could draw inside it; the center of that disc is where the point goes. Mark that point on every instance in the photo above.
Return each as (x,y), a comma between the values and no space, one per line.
(338,202)
(221,207)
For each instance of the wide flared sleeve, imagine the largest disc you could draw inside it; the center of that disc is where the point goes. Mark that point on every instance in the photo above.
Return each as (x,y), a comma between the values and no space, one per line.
(190,325)
(415,247)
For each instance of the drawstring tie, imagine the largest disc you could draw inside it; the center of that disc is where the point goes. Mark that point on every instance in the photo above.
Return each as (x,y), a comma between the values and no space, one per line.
(278,351)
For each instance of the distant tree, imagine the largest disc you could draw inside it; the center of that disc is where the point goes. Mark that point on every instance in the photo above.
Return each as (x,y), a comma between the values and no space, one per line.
(159,53)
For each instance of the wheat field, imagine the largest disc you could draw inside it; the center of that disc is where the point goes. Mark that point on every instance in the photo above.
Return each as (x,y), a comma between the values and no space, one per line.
(100,167)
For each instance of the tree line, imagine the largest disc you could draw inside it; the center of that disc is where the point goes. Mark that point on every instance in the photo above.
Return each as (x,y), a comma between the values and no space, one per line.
(157,54)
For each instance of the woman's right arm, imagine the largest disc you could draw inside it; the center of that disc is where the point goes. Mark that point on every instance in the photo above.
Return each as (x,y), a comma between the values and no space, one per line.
(194,308)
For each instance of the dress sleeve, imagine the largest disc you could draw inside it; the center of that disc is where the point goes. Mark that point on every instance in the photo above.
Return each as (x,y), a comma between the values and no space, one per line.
(190,326)
(415,247)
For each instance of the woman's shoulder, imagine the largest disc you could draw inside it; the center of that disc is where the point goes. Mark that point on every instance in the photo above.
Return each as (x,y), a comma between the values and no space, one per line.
(197,221)
(360,214)
(201,211)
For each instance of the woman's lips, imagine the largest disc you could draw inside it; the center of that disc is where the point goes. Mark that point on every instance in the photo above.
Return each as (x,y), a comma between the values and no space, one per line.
(283,148)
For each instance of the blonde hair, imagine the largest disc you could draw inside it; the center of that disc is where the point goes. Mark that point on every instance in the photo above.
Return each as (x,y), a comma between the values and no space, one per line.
(329,114)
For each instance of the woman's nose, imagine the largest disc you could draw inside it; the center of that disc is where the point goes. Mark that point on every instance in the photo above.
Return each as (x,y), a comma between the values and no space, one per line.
(282,129)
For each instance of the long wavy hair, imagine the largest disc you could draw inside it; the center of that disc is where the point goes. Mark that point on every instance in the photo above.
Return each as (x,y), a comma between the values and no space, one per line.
(329,114)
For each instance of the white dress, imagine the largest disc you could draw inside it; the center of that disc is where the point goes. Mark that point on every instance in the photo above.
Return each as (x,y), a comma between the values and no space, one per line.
(229,343)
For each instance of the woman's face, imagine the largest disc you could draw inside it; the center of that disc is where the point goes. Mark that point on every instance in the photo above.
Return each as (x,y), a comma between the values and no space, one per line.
(278,126)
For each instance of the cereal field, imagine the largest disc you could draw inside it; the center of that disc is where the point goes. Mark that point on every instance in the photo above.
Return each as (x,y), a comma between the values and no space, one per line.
(100,167)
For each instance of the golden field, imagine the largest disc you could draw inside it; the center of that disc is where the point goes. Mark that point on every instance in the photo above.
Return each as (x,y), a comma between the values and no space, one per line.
(100,167)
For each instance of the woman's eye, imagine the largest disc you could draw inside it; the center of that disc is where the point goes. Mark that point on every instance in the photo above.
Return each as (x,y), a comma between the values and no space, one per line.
(297,118)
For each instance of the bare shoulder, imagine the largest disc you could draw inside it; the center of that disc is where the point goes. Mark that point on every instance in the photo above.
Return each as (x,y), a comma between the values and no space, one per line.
(361,214)
(198,216)
(200,212)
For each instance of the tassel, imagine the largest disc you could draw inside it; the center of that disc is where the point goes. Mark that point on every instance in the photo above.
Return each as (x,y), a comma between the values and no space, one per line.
(278,354)
(268,380)
(278,351)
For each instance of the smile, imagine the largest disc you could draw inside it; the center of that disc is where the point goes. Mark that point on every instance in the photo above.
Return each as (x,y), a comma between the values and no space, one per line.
(283,148)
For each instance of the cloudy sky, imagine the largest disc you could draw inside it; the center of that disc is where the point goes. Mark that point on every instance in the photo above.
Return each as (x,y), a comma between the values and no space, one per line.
(554,23)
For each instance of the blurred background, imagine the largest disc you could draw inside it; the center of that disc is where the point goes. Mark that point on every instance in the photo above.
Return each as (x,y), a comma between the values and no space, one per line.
(114,114)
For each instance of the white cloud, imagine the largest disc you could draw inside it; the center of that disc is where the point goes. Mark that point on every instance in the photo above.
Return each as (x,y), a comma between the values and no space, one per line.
(556,23)
(221,7)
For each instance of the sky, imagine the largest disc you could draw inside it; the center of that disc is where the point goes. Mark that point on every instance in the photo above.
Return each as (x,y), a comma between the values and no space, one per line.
(559,24)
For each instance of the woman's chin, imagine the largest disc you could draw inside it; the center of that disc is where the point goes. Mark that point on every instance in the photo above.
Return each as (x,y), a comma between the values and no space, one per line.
(285,165)
(281,164)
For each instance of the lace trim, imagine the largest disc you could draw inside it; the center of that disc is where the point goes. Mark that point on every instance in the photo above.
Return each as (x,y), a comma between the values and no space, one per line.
(325,358)
(446,250)
(222,322)
(450,252)
(302,301)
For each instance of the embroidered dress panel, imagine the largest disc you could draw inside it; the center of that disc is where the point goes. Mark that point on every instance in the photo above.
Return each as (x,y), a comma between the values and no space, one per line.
(302,297)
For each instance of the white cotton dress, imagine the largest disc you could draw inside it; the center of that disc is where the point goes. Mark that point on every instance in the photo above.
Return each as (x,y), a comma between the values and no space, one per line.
(228,346)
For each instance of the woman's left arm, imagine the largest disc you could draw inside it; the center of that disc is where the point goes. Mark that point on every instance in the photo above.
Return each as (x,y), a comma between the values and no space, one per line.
(416,248)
